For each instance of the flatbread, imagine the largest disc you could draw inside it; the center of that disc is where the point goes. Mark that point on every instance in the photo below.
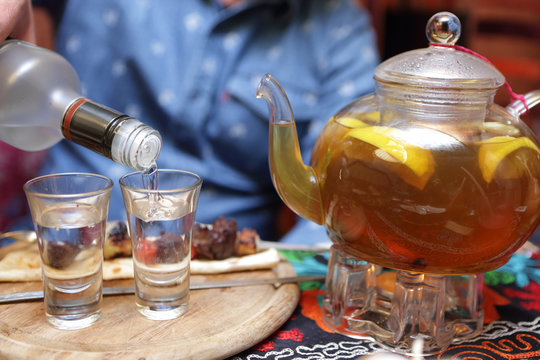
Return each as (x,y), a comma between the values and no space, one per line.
(25,265)
(21,265)
(265,259)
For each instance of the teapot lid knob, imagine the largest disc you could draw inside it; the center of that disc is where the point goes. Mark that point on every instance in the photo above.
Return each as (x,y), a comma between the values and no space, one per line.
(439,65)
(443,28)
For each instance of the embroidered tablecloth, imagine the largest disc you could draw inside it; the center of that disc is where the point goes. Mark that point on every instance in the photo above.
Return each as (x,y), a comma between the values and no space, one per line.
(511,328)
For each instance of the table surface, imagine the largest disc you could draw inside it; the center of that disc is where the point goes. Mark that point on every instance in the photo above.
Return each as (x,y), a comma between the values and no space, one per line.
(220,322)
(511,328)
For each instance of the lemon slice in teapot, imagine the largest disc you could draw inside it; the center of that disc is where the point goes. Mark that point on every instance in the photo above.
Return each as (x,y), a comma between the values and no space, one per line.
(500,129)
(371,117)
(494,150)
(416,164)
(351,122)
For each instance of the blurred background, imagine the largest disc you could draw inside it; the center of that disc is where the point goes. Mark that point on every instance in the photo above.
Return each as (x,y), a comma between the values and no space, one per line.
(507,32)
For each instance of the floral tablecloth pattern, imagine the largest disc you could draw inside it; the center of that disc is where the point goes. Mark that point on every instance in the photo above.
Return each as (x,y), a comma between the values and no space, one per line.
(511,329)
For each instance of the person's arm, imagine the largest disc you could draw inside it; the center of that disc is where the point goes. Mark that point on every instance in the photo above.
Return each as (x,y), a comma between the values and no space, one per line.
(17,20)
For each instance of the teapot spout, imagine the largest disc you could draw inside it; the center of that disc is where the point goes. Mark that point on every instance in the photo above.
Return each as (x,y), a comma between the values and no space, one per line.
(296,183)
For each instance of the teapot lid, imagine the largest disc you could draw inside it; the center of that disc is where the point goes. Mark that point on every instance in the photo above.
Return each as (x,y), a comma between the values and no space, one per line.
(441,64)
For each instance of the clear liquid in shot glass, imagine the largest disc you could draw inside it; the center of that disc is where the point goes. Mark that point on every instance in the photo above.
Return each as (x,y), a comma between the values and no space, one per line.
(70,240)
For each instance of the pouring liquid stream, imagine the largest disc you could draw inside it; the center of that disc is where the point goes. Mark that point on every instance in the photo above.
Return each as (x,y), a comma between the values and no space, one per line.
(150,181)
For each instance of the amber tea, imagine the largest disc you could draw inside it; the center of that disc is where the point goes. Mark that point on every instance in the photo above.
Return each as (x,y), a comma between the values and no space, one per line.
(415,198)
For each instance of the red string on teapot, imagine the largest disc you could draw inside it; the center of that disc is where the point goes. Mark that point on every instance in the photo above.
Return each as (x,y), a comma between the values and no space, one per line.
(513,95)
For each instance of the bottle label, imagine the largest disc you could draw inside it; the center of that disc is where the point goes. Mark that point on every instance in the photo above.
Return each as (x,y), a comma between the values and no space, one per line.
(69,115)
(91,125)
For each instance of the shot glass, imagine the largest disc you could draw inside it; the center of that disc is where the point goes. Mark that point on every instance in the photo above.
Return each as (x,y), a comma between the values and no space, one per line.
(69,212)
(161,212)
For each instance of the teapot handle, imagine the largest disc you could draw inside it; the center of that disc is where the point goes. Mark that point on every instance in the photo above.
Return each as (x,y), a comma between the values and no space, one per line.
(518,107)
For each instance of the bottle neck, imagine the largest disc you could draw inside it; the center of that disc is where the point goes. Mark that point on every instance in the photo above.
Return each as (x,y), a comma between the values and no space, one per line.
(111,134)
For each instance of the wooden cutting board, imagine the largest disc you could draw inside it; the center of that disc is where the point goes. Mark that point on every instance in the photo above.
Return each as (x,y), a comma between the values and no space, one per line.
(218,324)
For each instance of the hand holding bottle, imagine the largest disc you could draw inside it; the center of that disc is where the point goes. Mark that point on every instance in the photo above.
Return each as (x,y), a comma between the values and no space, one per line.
(16,20)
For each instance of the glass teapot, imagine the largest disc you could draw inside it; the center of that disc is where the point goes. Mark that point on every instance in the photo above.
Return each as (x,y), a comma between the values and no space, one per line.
(425,170)
(426,176)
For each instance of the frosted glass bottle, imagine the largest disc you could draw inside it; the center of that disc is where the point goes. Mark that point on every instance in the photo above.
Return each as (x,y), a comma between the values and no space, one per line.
(41,103)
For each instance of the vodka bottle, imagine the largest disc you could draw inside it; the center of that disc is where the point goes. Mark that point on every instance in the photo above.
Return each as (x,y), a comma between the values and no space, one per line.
(41,103)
